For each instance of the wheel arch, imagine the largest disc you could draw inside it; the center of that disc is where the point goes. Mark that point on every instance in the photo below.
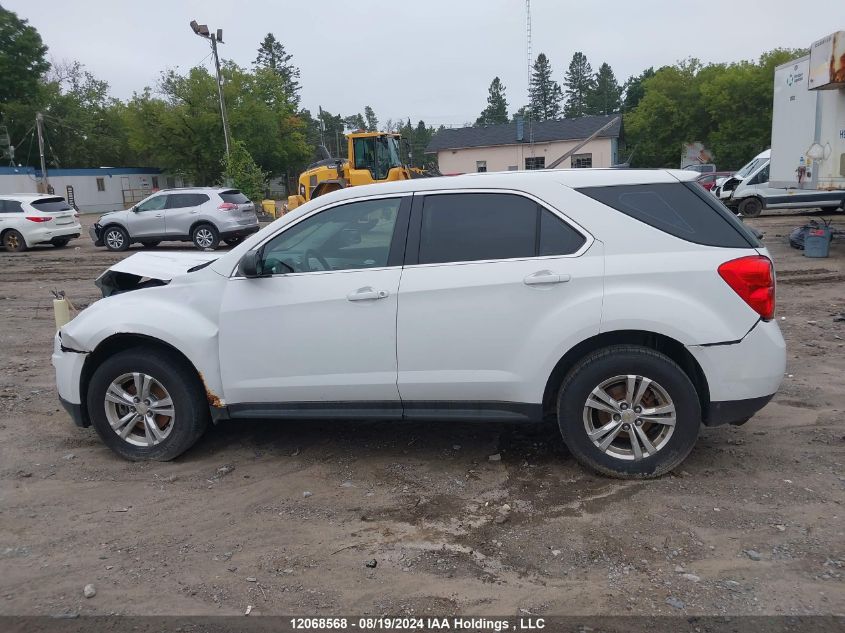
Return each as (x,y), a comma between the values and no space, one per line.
(121,342)
(200,222)
(652,340)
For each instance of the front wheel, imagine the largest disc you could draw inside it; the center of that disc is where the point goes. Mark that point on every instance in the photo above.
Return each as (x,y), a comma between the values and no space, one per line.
(629,412)
(205,237)
(147,404)
(751,207)
(115,238)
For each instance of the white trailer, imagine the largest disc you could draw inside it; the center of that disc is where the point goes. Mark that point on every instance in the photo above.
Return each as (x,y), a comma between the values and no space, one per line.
(807,165)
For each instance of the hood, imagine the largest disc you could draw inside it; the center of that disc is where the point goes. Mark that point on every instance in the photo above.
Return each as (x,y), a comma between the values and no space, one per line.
(143,270)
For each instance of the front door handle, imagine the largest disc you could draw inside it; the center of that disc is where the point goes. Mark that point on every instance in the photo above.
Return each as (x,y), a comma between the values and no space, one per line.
(542,277)
(159,215)
(367,294)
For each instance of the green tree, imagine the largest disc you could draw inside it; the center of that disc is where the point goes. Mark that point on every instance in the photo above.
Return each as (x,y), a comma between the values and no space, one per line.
(544,92)
(606,96)
(634,89)
(355,122)
(497,106)
(241,171)
(580,84)
(22,58)
(372,121)
(272,55)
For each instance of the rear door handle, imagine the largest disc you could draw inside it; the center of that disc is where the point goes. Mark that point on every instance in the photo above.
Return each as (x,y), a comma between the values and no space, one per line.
(159,215)
(367,294)
(542,277)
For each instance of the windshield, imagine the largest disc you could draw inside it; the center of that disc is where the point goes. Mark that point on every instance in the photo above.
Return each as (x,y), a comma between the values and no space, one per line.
(378,154)
(750,167)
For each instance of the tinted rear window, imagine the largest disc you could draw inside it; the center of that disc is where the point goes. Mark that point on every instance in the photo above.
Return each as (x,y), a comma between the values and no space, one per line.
(684,210)
(465,227)
(180,200)
(234,196)
(10,206)
(51,205)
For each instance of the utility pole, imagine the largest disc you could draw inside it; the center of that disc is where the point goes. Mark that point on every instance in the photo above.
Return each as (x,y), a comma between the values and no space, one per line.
(203,31)
(39,125)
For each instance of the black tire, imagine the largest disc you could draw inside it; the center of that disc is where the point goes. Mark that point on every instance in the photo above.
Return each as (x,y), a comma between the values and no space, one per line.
(830,209)
(751,207)
(115,238)
(623,360)
(234,241)
(181,382)
(60,242)
(151,243)
(199,234)
(13,241)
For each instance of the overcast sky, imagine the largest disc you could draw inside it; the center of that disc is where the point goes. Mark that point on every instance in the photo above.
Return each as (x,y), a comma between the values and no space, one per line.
(429,59)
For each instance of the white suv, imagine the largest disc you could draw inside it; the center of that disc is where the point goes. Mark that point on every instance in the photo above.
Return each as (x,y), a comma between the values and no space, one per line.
(27,219)
(629,306)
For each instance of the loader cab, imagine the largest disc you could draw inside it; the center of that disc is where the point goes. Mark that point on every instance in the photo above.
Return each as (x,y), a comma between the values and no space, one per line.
(372,156)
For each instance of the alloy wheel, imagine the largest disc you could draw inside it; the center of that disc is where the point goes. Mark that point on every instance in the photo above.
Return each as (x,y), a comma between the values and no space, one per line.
(114,239)
(204,238)
(629,417)
(139,409)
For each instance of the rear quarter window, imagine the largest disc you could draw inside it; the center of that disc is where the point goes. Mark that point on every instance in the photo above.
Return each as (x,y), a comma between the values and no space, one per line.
(10,206)
(683,210)
(51,205)
(234,196)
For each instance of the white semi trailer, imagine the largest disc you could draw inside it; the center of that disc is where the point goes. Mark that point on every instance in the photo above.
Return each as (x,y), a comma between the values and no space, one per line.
(806,167)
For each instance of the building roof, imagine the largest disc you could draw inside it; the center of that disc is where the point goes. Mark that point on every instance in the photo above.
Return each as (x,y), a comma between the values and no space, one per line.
(506,133)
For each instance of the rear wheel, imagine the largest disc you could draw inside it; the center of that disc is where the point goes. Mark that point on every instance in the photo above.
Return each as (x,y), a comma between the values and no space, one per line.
(13,241)
(205,237)
(115,238)
(60,243)
(150,243)
(629,412)
(751,207)
(147,404)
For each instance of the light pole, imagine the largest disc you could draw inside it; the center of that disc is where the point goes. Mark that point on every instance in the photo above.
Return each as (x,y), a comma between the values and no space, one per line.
(202,31)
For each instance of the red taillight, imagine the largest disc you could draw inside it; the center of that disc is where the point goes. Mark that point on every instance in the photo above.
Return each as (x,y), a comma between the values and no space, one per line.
(753,279)
(39,218)
(228,206)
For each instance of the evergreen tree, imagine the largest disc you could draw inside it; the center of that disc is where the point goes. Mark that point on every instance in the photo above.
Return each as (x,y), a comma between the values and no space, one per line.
(272,55)
(355,122)
(544,92)
(372,121)
(497,106)
(606,97)
(579,83)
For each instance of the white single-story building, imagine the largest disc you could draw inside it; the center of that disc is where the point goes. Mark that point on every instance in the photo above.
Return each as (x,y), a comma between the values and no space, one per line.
(522,145)
(90,190)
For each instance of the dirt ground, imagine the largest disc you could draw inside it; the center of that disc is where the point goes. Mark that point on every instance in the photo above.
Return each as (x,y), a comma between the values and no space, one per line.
(285,517)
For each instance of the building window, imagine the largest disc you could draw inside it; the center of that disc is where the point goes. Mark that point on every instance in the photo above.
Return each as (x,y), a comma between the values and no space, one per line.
(582,161)
(101,184)
(535,162)
(481,165)
(155,182)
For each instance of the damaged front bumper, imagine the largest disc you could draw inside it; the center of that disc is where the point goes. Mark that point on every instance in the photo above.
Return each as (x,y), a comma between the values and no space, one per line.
(68,364)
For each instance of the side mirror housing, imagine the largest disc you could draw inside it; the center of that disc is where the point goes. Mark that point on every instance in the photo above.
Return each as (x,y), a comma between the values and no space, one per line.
(250,264)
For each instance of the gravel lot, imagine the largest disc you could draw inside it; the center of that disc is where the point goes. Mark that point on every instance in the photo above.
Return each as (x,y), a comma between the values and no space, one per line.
(288,518)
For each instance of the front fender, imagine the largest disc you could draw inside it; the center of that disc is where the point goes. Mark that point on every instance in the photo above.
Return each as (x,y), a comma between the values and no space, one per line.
(182,315)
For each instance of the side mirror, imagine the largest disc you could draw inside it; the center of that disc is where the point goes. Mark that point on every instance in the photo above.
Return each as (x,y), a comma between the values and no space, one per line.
(250,264)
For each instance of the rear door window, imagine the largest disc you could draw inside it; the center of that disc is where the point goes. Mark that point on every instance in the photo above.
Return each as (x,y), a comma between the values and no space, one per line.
(465,227)
(477,226)
(234,196)
(10,206)
(51,205)
(183,200)
(683,210)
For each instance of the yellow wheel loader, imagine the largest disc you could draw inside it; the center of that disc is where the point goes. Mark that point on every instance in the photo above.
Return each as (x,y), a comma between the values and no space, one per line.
(373,157)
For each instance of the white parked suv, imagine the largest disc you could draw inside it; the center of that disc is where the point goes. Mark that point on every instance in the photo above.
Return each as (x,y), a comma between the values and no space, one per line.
(202,215)
(27,219)
(629,306)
